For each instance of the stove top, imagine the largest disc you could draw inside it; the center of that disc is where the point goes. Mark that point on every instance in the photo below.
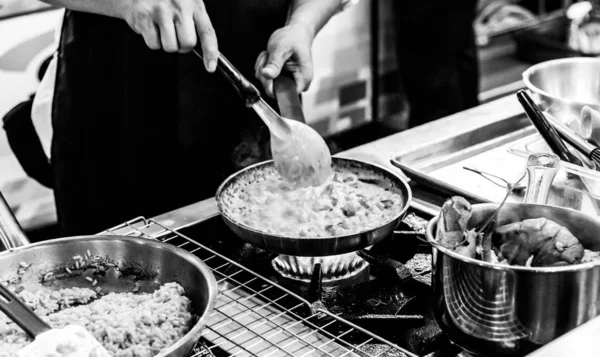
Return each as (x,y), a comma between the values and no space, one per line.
(379,301)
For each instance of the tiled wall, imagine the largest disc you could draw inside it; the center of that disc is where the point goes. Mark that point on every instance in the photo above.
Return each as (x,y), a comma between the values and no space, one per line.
(340,95)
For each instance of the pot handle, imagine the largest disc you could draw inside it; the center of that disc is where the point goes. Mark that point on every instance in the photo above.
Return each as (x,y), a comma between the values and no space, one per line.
(541,169)
(11,233)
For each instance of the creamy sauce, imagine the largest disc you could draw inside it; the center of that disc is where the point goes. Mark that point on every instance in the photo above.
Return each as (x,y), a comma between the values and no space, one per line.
(342,205)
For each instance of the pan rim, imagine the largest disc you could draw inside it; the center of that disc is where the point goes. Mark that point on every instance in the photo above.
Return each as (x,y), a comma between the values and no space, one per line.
(430,236)
(228,180)
(195,332)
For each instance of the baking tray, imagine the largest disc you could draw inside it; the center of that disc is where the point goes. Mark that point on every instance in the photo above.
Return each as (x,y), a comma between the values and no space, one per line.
(438,165)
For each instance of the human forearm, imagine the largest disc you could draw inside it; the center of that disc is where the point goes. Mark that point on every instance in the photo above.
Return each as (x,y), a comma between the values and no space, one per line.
(100,7)
(171,25)
(313,14)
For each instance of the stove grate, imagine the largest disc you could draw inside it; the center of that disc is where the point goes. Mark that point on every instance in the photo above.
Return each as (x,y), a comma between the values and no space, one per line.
(254,316)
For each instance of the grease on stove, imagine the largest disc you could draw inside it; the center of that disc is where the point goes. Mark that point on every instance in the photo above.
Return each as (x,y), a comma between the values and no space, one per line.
(420,266)
(415,222)
(380,351)
(366,298)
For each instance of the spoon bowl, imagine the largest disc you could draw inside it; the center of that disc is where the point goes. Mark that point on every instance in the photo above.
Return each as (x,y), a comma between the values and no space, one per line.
(300,154)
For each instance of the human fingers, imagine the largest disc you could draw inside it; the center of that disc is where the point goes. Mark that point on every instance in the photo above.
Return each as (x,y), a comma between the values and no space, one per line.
(261,61)
(186,33)
(166,27)
(208,38)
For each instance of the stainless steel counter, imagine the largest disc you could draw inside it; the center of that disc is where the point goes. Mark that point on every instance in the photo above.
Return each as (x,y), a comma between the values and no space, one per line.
(380,152)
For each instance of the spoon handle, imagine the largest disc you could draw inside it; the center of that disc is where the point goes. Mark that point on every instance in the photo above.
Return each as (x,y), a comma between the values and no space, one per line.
(21,314)
(245,89)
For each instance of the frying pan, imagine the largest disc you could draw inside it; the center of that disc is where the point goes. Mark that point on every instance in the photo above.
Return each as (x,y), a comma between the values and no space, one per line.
(150,264)
(229,191)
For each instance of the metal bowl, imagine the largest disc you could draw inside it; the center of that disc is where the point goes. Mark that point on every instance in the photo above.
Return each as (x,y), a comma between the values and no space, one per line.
(306,246)
(500,310)
(564,86)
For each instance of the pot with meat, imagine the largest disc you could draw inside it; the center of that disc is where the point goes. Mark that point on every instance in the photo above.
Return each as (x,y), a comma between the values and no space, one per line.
(509,287)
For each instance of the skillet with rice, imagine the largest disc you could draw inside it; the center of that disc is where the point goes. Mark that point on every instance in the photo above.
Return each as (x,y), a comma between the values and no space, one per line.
(138,297)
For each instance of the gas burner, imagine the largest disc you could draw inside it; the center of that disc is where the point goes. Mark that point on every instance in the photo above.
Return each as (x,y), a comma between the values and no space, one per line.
(337,270)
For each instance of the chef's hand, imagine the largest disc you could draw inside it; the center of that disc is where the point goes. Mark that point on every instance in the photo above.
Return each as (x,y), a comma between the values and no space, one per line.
(173,25)
(289,49)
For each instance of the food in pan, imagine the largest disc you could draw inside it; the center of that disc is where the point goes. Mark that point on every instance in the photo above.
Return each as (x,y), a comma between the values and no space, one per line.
(126,324)
(538,242)
(345,204)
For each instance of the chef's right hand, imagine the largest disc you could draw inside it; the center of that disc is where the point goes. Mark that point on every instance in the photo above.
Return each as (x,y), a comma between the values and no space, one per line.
(173,25)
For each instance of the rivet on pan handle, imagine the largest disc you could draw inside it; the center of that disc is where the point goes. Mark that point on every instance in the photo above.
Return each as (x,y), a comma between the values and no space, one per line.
(11,233)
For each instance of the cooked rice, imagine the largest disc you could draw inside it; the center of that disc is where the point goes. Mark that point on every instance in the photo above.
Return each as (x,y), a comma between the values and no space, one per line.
(126,324)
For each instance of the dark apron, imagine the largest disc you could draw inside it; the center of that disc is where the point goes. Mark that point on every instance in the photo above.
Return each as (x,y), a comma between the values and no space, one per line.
(141,132)
(437,57)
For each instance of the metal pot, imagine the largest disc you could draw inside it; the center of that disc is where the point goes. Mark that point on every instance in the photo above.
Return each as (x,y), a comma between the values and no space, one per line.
(156,262)
(498,310)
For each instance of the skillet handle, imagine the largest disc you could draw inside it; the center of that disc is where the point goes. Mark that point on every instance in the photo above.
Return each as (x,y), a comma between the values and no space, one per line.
(21,314)
(11,233)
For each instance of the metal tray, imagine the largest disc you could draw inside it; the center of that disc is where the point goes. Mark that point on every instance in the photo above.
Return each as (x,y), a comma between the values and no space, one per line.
(439,166)
(502,149)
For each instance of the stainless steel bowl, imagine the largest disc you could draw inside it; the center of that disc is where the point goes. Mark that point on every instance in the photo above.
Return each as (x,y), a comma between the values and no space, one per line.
(499,310)
(564,86)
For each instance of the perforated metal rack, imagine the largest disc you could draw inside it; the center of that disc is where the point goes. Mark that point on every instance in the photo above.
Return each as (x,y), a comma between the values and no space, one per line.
(255,317)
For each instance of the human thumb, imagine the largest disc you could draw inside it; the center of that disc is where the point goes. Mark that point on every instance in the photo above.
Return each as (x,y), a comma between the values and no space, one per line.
(275,62)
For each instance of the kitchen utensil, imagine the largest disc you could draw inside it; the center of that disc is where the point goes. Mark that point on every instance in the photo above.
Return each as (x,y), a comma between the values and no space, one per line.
(545,129)
(509,190)
(589,150)
(500,310)
(554,141)
(76,338)
(497,180)
(288,98)
(541,170)
(590,125)
(394,268)
(565,86)
(305,246)
(156,263)
(300,154)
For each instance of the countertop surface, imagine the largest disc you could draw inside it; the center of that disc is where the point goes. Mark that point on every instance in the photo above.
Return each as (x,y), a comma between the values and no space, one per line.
(379,152)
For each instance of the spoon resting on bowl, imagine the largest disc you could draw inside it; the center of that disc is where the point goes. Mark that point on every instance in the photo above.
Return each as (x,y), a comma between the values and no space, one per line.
(300,154)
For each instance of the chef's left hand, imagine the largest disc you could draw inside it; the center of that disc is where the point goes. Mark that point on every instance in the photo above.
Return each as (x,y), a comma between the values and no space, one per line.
(289,49)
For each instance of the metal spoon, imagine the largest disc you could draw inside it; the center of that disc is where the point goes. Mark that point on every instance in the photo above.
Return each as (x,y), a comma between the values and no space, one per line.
(47,339)
(300,154)
(518,188)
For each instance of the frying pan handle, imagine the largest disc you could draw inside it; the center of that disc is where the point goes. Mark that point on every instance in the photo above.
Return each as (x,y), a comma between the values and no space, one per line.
(21,314)
(11,233)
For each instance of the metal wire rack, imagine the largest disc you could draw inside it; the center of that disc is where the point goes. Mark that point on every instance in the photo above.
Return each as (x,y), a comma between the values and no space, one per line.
(255,317)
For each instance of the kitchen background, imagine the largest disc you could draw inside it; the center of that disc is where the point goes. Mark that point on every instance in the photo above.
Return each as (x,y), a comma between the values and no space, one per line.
(356,96)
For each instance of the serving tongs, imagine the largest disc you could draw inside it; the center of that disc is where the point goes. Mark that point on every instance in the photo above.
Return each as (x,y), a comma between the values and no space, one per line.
(558,147)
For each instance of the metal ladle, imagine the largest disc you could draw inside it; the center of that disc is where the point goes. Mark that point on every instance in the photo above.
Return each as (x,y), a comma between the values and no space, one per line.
(300,154)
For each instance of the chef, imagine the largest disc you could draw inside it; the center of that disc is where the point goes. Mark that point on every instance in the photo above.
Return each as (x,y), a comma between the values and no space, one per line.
(140,125)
